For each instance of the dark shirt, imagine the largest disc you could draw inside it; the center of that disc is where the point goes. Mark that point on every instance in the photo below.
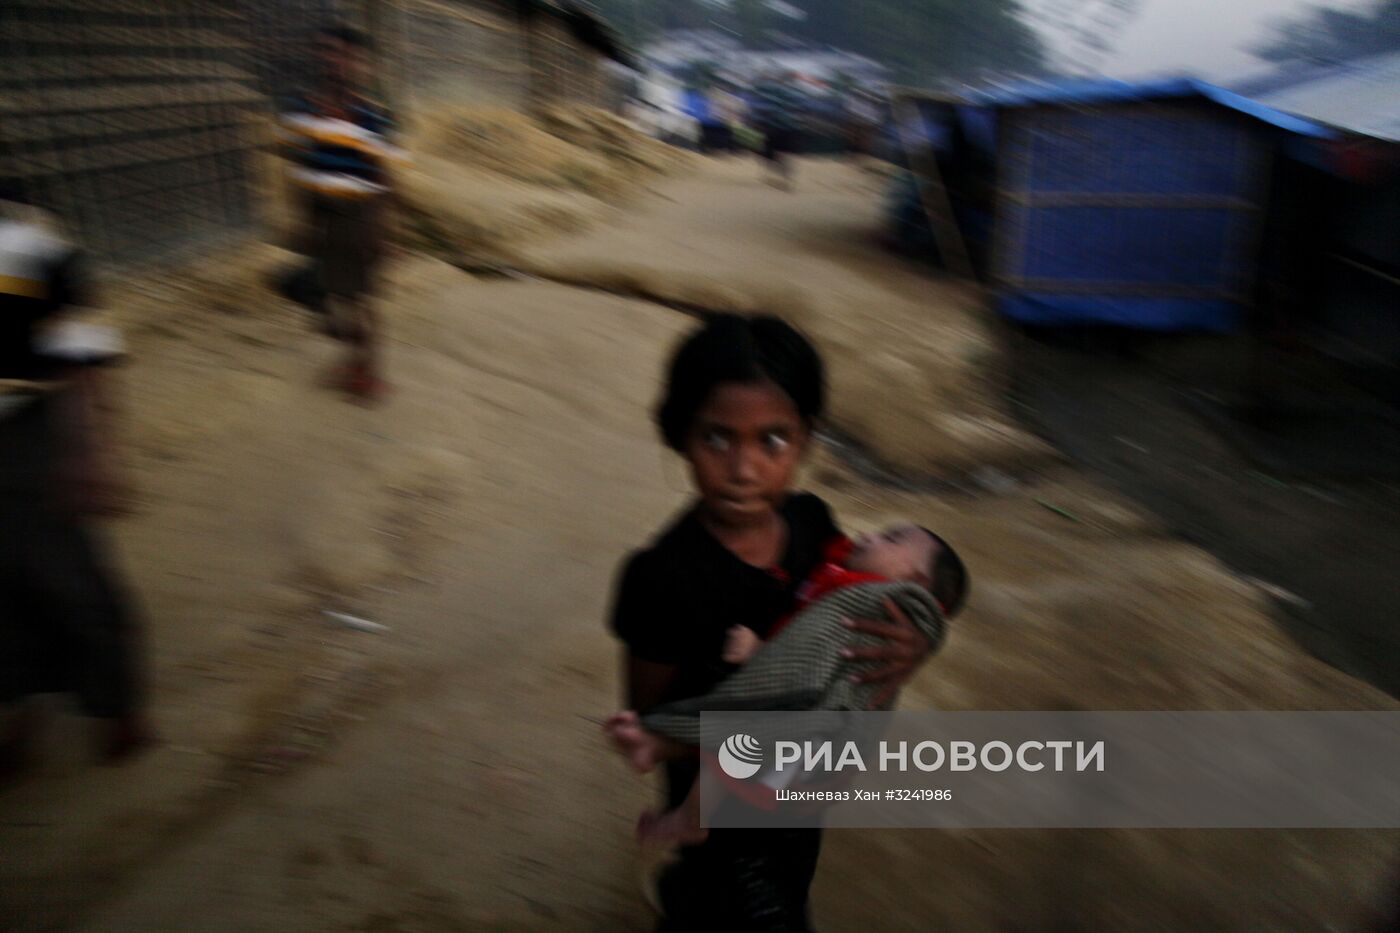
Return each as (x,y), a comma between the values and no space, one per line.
(676,600)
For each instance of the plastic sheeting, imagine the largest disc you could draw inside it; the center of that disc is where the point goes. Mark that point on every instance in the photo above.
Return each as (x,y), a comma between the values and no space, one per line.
(1140,216)
(1102,91)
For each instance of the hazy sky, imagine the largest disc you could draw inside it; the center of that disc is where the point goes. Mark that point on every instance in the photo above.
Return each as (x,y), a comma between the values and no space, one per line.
(1203,37)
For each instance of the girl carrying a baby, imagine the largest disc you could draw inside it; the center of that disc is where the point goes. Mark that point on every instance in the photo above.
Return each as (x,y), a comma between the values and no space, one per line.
(741,401)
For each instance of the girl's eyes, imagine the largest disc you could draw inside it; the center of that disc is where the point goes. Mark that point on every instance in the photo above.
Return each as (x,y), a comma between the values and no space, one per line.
(773,443)
(716,441)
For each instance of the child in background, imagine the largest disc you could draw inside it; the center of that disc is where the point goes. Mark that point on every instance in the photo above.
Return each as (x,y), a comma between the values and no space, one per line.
(65,621)
(343,147)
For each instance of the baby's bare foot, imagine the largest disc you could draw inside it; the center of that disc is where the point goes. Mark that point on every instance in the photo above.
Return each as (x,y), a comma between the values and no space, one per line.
(619,726)
(633,742)
(628,717)
(642,748)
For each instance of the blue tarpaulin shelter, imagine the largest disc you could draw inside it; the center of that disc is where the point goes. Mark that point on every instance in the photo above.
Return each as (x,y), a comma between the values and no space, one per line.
(1139,205)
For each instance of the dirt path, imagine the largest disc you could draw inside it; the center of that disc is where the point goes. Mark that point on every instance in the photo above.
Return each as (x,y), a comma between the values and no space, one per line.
(444,775)
(922,390)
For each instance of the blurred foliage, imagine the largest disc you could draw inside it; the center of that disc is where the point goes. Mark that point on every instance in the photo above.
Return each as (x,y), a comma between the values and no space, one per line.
(751,20)
(1331,35)
(924,41)
(1091,28)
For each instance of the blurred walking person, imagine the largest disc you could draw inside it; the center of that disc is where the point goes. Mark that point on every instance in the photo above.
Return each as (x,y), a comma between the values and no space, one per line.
(701,106)
(863,116)
(777,114)
(729,111)
(343,147)
(66,625)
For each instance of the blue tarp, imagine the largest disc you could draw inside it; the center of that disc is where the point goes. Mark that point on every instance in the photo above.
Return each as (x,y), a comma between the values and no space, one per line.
(1159,314)
(1140,217)
(1103,90)
(696,104)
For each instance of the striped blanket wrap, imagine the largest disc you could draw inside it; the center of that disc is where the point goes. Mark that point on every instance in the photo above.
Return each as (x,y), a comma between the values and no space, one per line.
(801,669)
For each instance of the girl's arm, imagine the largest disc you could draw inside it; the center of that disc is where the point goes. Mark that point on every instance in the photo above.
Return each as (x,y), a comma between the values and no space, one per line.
(817,663)
(792,672)
(647,682)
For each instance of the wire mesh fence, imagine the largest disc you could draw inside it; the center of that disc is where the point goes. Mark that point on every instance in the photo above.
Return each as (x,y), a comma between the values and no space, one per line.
(281,58)
(144,123)
(128,118)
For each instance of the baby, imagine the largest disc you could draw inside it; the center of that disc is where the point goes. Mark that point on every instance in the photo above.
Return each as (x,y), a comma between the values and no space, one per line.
(810,657)
(900,553)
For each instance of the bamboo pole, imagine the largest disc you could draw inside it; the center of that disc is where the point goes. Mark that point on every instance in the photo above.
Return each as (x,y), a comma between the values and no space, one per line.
(933,194)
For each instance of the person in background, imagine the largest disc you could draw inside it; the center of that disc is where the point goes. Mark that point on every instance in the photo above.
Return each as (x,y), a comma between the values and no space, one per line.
(777,113)
(863,113)
(66,624)
(702,104)
(342,144)
(729,111)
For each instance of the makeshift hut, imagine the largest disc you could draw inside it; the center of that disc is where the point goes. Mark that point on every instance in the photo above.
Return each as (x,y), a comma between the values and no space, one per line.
(1347,283)
(1142,205)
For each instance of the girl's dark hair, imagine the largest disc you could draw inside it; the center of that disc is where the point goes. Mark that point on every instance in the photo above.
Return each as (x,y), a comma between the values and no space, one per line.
(745,349)
(355,38)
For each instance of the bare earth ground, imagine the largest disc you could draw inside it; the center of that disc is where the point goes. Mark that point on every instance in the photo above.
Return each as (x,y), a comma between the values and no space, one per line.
(444,774)
(1324,538)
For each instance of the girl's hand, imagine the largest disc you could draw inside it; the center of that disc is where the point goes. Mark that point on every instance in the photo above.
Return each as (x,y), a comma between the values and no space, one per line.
(740,644)
(896,661)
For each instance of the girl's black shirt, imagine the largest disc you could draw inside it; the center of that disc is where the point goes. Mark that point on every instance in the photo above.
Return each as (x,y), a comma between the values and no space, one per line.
(676,599)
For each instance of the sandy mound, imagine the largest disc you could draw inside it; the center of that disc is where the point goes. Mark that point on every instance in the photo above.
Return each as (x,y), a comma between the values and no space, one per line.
(512,145)
(614,138)
(916,366)
(923,391)
(488,181)
(464,211)
(918,392)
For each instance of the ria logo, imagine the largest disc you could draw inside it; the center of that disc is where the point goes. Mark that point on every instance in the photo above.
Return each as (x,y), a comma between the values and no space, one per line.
(741,756)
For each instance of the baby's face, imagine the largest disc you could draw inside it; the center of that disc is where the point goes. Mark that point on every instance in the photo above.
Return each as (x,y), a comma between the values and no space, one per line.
(901,552)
